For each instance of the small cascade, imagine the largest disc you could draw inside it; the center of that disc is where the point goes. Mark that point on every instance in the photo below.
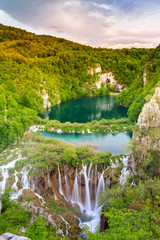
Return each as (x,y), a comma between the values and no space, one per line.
(89,170)
(75,193)
(60,181)
(87,191)
(95,173)
(67,224)
(25,183)
(16,181)
(79,181)
(41,200)
(66,183)
(25,179)
(124,172)
(4,171)
(5,175)
(100,189)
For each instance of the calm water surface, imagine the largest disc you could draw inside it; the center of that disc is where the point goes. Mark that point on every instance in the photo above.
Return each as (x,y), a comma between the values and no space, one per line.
(115,143)
(87,109)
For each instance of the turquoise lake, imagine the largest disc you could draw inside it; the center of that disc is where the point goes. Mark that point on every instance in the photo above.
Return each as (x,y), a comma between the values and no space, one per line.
(86,109)
(105,142)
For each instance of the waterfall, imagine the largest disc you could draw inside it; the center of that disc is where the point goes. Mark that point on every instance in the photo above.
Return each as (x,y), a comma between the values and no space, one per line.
(5,175)
(4,171)
(87,191)
(16,180)
(90,210)
(75,192)
(80,184)
(60,181)
(66,223)
(25,180)
(89,170)
(66,183)
(100,189)
(124,172)
(95,189)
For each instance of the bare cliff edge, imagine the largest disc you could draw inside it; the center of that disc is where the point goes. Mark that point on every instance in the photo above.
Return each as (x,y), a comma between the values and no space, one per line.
(146,139)
(150,115)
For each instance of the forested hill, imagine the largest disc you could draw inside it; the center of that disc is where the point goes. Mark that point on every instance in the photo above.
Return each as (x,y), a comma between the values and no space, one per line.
(32,65)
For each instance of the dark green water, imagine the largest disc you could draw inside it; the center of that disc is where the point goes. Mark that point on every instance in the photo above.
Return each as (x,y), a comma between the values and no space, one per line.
(87,109)
(110,142)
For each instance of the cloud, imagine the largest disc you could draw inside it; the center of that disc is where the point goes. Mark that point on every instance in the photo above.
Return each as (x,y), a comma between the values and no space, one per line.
(94,22)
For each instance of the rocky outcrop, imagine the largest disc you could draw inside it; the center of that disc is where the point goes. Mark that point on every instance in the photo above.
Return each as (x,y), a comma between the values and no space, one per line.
(47,186)
(9,236)
(146,139)
(105,78)
(46,102)
(150,115)
(145,80)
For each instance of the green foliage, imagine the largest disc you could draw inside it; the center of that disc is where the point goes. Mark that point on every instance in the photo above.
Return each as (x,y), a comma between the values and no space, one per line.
(38,230)
(47,153)
(13,216)
(104,125)
(33,65)
(132,213)
(139,92)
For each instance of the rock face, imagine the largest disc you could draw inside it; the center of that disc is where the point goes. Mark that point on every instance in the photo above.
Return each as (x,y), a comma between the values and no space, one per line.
(105,78)
(9,236)
(45,97)
(146,139)
(145,78)
(150,115)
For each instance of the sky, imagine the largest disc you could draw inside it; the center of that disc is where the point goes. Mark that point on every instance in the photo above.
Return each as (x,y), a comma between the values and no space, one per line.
(98,23)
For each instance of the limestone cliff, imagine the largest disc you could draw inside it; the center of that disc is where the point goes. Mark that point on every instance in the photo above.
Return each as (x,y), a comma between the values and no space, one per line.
(146,139)
(105,78)
(150,115)
(46,102)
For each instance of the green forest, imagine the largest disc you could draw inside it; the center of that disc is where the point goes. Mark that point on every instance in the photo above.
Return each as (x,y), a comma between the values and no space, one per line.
(31,64)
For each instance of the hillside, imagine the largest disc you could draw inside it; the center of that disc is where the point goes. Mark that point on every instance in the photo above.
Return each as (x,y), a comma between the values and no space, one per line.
(49,188)
(34,68)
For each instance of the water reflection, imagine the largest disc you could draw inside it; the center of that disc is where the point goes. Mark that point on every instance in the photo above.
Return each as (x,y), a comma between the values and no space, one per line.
(87,109)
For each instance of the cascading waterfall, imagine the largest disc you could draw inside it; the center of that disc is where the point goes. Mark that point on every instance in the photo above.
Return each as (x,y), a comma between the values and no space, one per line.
(25,179)
(90,210)
(100,189)
(124,172)
(4,171)
(75,193)
(87,191)
(60,181)
(66,182)
(16,181)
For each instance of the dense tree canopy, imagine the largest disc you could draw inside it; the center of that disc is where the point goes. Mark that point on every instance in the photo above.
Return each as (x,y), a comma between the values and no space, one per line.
(30,63)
